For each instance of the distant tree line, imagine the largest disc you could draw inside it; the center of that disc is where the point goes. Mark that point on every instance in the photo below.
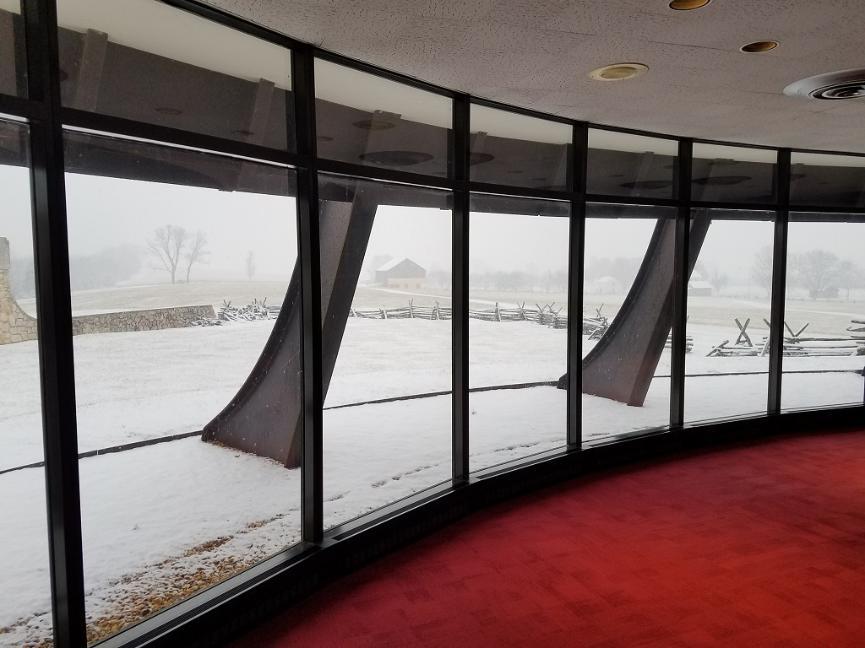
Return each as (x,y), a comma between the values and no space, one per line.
(549,281)
(821,272)
(103,269)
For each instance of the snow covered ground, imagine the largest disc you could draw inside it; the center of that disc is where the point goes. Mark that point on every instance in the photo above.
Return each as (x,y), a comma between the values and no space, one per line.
(155,515)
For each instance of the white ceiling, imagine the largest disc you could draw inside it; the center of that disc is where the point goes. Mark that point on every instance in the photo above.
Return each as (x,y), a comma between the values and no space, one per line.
(537,54)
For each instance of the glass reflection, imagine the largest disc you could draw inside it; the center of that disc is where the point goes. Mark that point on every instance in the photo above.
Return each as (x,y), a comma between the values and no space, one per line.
(733,174)
(148,61)
(366,119)
(513,149)
(621,164)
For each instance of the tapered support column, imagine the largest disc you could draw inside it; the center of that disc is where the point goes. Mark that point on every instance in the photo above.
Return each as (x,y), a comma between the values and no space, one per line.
(265,416)
(623,363)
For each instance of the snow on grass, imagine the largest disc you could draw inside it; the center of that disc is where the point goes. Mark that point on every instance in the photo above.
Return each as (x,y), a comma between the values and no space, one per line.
(155,515)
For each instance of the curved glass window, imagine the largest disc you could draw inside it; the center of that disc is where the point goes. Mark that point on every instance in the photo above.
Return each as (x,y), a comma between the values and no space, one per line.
(25,608)
(824,318)
(13,73)
(190,324)
(366,119)
(729,306)
(179,265)
(622,164)
(733,174)
(190,73)
(512,149)
(627,317)
(518,310)
(386,304)
(831,180)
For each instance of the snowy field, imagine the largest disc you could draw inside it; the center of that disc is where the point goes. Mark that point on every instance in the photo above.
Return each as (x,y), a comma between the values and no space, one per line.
(172,517)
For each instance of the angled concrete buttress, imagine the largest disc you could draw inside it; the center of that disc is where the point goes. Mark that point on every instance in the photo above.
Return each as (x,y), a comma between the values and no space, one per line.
(623,363)
(265,417)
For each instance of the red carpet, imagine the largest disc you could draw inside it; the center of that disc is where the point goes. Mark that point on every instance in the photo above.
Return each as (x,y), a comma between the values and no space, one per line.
(756,546)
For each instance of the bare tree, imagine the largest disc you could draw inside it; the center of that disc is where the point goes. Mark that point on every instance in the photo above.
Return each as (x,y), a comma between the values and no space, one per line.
(250,265)
(761,269)
(197,252)
(850,276)
(167,245)
(718,279)
(818,271)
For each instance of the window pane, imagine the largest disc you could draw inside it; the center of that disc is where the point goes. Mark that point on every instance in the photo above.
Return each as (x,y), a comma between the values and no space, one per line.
(627,316)
(824,344)
(513,149)
(733,174)
(518,302)
(621,164)
(147,61)
(25,607)
(386,300)
(831,180)
(729,305)
(366,119)
(179,264)
(13,70)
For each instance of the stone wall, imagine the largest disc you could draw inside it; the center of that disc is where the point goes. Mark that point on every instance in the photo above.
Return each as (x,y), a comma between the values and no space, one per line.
(141,320)
(18,326)
(15,324)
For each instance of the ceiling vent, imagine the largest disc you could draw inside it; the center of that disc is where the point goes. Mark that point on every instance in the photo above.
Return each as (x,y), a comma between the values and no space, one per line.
(833,86)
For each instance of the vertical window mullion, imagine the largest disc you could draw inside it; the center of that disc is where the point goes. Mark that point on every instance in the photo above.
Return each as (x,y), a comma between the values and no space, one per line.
(779,283)
(576,271)
(54,304)
(312,467)
(460,291)
(681,272)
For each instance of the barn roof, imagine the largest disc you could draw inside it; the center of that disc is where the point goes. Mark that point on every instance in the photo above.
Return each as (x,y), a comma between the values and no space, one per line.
(393,263)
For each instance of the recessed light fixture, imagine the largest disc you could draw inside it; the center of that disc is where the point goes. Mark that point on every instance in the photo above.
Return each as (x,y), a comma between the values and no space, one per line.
(480,158)
(759,46)
(618,71)
(396,158)
(688,5)
(647,185)
(374,124)
(722,181)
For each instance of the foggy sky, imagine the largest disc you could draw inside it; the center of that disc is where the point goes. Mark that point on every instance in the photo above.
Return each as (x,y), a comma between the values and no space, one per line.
(108,212)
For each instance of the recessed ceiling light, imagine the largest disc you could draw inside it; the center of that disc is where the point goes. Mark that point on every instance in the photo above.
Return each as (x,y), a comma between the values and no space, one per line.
(648,185)
(688,5)
(722,181)
(374,124)
(396,158)
(480,158)
(618,71)
(759,46)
